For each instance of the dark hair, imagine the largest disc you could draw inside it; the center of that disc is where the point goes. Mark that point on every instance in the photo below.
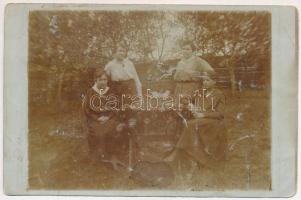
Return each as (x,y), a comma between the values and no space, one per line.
(99,73)
(120,45)
(210,76)
(187,42)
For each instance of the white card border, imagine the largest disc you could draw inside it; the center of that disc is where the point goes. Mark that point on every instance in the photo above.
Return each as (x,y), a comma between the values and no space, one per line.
(284,76)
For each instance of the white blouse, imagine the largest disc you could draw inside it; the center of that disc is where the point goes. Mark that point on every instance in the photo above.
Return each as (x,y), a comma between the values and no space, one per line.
(123,71)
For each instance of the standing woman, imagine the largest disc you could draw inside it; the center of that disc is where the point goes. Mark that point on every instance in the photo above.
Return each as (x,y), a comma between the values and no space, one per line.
(124,81)
(189,71)
(122,72)
(123,76)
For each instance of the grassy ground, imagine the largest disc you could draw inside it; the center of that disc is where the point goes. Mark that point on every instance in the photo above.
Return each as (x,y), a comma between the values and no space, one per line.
(59,158)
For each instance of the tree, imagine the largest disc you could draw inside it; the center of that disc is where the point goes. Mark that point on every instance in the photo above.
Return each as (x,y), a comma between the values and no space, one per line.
(65,42)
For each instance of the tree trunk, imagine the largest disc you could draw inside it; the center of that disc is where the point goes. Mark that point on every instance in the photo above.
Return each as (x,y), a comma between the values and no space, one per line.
(232,79)
(49,98)
(51,89)
(232,75)
(59,90)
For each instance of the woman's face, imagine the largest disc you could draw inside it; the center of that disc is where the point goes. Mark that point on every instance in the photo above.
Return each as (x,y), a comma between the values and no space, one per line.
(120,53)
(208,83)
(186,51)
(102,82)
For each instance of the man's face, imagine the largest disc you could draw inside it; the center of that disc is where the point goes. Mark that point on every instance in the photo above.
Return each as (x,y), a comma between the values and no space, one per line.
(120,53)
(102,82)
(186,51)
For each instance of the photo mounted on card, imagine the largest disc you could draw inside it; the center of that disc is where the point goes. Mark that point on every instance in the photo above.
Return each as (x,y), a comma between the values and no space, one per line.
(150,100)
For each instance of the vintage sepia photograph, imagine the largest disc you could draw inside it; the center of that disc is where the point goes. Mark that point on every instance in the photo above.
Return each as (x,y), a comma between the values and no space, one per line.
(149,99)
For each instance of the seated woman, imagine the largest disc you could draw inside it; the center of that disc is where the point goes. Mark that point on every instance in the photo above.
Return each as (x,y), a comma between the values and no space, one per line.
(100,121)
(204,136)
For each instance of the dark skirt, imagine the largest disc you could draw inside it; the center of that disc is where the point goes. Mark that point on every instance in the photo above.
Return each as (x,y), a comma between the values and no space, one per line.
(98,134)
(187,87)
(123,87)
(205,140)
(127,89)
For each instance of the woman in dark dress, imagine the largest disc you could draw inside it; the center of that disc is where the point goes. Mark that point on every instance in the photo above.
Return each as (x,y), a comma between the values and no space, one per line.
(100,121)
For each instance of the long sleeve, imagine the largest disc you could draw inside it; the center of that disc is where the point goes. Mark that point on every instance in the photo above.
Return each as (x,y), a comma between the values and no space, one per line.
(107,69)
(87,107)
(204,66)
(136,79)
(194,110)
(94,112)
(182,72)
(219,101)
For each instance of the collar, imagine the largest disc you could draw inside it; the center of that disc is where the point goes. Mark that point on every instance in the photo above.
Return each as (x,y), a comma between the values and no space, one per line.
(100,91)
(188,59)
(124,62)
(117,61)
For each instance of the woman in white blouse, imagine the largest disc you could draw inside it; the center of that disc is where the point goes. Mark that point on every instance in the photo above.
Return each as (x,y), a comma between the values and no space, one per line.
(189,71)
(123,76)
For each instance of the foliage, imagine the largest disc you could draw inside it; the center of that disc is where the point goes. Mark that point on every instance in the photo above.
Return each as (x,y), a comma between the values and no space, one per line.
(66,45)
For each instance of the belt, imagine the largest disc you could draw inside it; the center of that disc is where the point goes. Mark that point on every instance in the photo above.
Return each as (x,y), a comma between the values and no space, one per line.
(123,81)
(188,82)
